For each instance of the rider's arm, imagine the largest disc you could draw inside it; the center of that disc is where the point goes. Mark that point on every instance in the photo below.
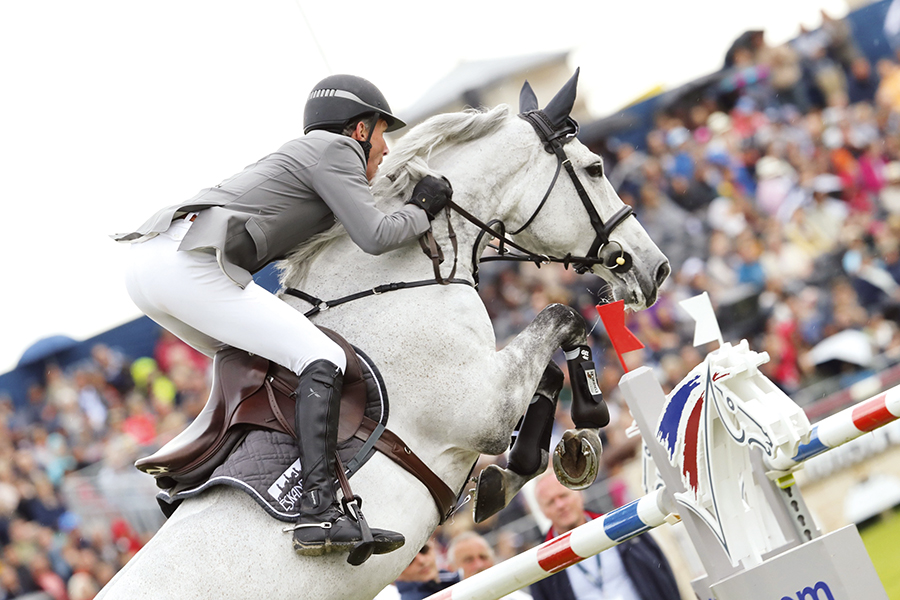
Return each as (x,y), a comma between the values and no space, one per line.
(340,180)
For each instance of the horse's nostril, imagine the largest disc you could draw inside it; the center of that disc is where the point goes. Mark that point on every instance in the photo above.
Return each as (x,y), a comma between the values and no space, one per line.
(662,273)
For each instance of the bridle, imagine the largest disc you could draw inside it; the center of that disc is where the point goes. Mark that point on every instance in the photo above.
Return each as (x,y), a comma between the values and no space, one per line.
(602,251)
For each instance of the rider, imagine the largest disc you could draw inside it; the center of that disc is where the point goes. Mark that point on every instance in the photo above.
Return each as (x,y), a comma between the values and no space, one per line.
(191,271)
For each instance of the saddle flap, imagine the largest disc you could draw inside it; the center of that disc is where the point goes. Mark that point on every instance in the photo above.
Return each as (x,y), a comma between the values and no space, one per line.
(237,375)
(250,391)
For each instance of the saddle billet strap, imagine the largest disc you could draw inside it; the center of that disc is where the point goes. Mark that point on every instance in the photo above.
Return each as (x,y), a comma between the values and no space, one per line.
(319,305)
(394,448)
(273,404)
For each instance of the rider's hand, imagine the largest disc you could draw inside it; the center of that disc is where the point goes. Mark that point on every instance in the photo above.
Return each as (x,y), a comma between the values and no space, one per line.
(431,195)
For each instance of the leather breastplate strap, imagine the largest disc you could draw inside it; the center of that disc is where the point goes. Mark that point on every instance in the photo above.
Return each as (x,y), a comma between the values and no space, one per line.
(394,448)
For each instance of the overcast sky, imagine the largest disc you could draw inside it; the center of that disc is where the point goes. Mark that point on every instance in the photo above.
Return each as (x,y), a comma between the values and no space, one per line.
(111,109)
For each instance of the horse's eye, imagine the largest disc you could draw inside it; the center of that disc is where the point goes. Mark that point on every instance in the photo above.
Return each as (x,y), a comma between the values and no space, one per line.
(595,170)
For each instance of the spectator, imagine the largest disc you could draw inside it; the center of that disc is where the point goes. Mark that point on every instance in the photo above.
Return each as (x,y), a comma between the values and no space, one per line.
(633,570)
(469,553)
(422,577)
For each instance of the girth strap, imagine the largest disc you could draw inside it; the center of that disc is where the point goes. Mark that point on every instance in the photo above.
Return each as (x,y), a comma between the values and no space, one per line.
(396,449)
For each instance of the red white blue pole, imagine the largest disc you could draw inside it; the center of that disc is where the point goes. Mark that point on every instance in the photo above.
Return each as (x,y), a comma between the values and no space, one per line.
(844,426)
(563,551)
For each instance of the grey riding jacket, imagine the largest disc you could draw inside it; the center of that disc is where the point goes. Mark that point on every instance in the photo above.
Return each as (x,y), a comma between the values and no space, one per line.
(259,215)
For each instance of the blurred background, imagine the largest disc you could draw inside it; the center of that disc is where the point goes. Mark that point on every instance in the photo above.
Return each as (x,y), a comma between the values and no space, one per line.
(765,164)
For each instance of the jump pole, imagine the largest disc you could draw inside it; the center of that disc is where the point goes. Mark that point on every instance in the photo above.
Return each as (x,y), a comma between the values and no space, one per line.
(844,426)
(563,551)
(649,511)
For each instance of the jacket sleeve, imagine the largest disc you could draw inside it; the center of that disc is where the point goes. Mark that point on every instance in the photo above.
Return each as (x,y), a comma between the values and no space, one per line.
(340,180)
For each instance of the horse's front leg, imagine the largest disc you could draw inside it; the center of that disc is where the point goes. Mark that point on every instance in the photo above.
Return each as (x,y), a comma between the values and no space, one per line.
(576,460)
(529,453)
(558,326)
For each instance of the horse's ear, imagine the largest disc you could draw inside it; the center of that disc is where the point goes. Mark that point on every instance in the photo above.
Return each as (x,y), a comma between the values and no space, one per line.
(527,100)
(558,109)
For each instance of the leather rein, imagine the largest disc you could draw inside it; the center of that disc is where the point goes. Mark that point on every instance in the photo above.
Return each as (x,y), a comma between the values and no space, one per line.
(554,139)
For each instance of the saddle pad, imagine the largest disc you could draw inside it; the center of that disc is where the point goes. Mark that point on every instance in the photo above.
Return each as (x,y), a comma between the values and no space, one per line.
(266,464)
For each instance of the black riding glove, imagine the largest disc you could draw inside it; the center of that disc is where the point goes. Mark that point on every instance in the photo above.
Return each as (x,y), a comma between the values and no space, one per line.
(431,195)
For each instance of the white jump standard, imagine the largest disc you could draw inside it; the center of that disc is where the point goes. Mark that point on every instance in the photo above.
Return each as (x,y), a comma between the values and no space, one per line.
(719,454)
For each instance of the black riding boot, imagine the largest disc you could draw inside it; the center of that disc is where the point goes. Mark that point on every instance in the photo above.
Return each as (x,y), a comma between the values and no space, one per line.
(322,526)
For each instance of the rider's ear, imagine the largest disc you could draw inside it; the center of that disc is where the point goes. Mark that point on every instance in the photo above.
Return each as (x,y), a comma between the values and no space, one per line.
(361,132)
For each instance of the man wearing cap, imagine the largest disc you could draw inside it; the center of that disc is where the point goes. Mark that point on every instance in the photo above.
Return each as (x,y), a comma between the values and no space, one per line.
(191,268)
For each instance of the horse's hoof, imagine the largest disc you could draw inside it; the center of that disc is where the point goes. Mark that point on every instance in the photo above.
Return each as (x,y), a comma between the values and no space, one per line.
(497,487)
(576,460)
(490,493)
(386,541)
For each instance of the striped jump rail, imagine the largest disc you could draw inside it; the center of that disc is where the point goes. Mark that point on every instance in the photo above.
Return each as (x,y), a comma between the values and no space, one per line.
(563,551)
(843,427)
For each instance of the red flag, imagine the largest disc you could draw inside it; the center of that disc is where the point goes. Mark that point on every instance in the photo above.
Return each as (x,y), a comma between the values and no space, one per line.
(613,317)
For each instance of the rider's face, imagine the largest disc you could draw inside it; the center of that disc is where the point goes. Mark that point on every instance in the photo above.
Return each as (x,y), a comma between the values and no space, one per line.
(379,146)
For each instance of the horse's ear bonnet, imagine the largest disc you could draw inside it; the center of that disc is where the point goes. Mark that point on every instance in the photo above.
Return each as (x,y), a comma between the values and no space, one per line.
(556,128)
(554,121)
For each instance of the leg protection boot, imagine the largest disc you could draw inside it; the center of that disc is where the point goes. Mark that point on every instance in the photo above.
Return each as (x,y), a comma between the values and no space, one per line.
(322,527)
(528,458)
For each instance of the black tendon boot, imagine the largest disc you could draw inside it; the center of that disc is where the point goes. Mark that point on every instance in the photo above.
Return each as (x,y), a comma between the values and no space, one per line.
(322,527)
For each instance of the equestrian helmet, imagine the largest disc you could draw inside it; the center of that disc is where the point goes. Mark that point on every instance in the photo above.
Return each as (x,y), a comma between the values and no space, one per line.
(339,98)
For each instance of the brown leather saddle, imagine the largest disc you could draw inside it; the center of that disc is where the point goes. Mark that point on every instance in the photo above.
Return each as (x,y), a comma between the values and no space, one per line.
(250,392)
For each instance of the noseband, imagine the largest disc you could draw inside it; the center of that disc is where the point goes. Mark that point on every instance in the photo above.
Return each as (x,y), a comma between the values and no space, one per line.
(602,251)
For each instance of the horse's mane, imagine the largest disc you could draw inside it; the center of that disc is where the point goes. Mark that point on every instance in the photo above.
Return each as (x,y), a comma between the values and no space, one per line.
(402,169)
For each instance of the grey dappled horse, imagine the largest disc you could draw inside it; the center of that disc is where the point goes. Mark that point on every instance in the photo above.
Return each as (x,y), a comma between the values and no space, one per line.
(453,395)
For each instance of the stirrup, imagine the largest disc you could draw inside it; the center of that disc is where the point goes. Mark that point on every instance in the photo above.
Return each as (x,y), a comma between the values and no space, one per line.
(374,541)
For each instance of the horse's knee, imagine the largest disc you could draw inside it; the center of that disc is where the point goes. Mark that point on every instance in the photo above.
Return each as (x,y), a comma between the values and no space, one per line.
(568,322)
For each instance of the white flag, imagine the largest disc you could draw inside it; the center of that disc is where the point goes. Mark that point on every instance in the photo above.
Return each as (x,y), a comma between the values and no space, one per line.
(701,310)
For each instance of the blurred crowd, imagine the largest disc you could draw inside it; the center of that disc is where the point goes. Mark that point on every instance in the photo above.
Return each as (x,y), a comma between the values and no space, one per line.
(777,191)
(106,412)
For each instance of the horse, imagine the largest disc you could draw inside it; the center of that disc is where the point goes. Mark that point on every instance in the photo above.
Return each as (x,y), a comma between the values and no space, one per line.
(453,394)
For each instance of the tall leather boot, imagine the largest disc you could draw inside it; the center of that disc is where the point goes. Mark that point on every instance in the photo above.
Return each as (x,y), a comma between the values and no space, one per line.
(322,526)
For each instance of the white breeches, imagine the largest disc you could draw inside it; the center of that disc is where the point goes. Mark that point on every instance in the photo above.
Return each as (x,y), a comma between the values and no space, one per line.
(188,294)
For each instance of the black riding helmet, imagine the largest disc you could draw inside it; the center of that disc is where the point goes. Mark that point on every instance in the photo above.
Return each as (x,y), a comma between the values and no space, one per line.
(338,98)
